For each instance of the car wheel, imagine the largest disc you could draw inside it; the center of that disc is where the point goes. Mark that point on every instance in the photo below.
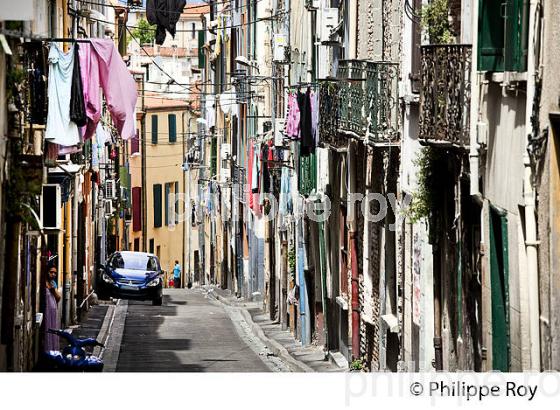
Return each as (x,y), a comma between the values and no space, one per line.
(158,301)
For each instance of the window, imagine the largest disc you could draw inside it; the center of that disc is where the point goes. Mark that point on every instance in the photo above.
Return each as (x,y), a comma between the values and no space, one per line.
(172,120)
(157,205)
(502,35)
(135,143)
(151,246)
(136,208)
(154,129)
(136,244)
(193,30)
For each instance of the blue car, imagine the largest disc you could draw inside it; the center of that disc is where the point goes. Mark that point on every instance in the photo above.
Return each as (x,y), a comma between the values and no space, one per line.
(131,275)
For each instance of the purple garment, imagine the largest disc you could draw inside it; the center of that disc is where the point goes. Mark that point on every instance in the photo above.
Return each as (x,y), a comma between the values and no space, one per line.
(103,66)
(51,322)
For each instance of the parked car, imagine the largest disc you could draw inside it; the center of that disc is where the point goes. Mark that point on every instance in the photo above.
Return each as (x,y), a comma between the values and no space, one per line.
(131,275)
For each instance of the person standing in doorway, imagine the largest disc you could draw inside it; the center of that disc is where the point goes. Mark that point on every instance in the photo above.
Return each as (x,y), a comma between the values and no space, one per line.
(52,298)
(177,275)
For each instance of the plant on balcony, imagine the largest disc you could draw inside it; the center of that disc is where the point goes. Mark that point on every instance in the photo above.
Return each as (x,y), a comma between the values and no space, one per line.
(357,365)
(426,197)
(435,19)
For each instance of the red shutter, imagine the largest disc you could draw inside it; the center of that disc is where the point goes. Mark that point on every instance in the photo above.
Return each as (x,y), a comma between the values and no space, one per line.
(135,144)
(136,209)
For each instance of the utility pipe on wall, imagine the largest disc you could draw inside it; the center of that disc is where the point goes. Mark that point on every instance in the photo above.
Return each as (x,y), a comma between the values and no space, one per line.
(531,241)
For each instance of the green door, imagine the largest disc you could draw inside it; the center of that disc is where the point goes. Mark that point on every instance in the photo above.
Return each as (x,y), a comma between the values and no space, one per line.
(499,283)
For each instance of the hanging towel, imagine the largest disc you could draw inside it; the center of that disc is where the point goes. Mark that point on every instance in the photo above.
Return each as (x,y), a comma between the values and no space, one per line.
(165,14)
(103,66)
(77,106)
(60,129)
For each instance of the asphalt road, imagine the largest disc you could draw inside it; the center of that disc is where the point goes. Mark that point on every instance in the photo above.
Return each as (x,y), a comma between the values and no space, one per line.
(189,333)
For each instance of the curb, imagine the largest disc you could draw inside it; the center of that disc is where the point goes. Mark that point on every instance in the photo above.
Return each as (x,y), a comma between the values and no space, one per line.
(275,347)
(104,331)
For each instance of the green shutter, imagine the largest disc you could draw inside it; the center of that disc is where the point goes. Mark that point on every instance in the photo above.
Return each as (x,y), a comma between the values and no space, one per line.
(167,192)
(125,183)
(516,35)
(201,40)
(172,127)
(154,129)
(157,205)
(307,174)
(491,30)
(213,156)
(499,268)
(176,203)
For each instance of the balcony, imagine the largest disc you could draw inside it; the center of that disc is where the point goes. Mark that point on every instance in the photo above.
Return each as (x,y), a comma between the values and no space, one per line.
(369,100)
(445,96)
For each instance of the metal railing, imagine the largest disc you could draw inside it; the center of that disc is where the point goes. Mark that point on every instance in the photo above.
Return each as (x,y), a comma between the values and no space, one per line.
(445,95)
(369,100)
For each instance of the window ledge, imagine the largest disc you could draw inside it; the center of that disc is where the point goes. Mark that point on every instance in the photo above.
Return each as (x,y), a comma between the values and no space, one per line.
(508,77)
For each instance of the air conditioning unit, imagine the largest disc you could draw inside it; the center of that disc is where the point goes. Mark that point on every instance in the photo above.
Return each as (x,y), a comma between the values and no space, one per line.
(51,204)
(280,44)
(312,4)
(279,125)
(329,20)
(109,209)
(124,193)
(110,189)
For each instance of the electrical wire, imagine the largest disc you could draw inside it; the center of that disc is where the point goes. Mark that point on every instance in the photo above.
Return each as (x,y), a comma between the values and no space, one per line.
(269,18)
(187,7)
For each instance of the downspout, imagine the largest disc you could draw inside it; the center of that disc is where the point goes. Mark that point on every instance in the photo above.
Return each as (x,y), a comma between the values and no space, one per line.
(74,245)
(355,302)
(144,211)
(185,203)
(531,242)
(353,29)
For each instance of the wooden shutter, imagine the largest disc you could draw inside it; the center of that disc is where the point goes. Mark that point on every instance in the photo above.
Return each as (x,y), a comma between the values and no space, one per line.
(172,119)
(416,63)
(201,56)
(136,208)
(516,35)
(167,192)
(491,31)
(176,203)
(499,278)
(154,129)
(157,205)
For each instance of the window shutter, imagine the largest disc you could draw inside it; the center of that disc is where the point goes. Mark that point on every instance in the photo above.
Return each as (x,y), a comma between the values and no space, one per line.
(157,205)
(491,31)
(135,143)
(214,156)
(201,57)
(176,203)
(172,128)
(154,129)
(136,208)
(516,35)
(167,192)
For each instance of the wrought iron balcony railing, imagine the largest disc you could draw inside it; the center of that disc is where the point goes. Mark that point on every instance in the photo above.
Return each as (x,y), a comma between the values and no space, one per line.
(369,100)
(445,96)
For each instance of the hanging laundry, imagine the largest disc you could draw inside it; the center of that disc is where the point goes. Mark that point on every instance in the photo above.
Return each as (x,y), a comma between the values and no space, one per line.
(77,105)
(306,129)
(103,66)
(285,205)
(37,63)
(250,176)
(293,117)
(210,111)
(315,117)
(165,14)
(60,129)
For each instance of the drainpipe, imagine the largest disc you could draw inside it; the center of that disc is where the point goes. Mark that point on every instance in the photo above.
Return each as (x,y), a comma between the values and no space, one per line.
(438,355)
(531,241)
(75,245)
(354,257)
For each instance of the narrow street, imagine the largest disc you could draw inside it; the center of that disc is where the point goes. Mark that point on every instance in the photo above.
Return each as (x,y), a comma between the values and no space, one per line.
(189,333)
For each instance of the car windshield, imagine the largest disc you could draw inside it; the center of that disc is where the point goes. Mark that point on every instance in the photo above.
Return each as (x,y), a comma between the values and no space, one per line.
(134,261)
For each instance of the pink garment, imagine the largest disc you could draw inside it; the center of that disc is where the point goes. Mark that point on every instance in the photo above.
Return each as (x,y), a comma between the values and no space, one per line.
(250,176)
(293,118)
(102,66)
